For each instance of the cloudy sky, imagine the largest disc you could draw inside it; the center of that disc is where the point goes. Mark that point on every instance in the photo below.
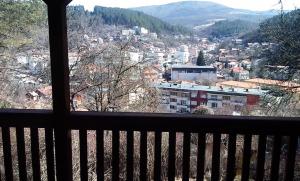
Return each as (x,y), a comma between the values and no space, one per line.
(242,4)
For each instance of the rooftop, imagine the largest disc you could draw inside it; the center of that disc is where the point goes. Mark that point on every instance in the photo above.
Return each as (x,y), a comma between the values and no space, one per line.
(239,84)
(284,84)
(192,67)
(213,89)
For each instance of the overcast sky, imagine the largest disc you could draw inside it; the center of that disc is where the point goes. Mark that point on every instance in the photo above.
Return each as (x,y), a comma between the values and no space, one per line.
(242,4)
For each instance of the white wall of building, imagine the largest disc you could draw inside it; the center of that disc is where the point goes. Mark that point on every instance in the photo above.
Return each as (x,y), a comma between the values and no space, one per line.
(210,76)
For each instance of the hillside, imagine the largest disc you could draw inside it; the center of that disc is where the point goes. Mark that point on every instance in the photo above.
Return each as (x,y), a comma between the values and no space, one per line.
(195,13)
(125,17)
(277,27)
(284,31)
(229,28)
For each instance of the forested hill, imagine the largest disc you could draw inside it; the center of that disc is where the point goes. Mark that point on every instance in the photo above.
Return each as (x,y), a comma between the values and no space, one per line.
(130,18)
(281,26)
(117,16)
(284,31)
(229,28)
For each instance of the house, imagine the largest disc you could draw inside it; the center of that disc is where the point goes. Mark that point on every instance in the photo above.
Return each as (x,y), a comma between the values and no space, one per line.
(32,96)
(239,73)
(45,92)
(152,73)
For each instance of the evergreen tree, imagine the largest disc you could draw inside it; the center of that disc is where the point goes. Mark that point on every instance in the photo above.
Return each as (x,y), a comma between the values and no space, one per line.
(200,59)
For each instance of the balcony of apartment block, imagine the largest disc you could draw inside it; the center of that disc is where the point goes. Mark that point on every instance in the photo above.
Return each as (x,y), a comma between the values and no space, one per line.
(277,159)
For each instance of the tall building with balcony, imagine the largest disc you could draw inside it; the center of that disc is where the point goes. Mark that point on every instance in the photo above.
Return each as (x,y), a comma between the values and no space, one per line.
(184,98)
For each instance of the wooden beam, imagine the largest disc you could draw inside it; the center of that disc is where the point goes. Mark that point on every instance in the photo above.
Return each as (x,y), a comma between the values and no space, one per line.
(64,2)
(60,87)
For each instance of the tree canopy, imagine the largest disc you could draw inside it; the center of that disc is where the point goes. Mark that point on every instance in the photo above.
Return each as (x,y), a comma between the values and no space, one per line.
(200,59)
(19,21)
(229,28)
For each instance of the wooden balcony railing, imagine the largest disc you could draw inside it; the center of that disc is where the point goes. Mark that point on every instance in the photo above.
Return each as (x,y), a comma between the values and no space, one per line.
(282,151)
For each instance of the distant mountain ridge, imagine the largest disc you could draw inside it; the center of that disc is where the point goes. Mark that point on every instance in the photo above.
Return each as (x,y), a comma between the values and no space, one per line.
(196,13)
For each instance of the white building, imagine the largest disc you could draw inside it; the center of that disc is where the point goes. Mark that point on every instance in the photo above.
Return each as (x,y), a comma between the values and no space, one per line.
(128,32)
(141,30)
(193,73)
(135,57)
(176,101)
(183,54)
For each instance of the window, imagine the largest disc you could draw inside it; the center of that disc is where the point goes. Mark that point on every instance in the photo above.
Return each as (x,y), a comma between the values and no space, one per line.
(173,93)
(214,105)
(183,110)
(183,102)
(185,95)
(226,98)
(173,100)
(173,107)
(203,103)
(214,97)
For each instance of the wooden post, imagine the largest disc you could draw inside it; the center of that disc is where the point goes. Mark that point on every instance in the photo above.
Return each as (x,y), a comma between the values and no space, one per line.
(60,86)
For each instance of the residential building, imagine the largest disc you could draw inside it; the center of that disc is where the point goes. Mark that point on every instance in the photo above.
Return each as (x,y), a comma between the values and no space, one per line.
(185,98)
(183,54)
(240,74)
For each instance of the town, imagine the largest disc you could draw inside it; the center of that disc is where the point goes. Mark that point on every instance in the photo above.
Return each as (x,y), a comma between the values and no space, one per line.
(189,74)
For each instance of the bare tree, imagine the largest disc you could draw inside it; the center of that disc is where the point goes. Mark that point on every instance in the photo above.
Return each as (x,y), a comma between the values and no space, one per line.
(107,79)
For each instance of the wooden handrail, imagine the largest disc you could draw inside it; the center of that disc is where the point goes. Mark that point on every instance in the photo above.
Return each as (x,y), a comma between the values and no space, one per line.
(154,122)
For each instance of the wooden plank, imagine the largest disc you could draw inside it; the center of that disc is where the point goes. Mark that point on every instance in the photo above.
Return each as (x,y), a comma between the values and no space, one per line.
(35,154)
(7,153)
(115,155)
(246,157)
(186,156)
(215,174)
(201,156)
(157,156)
(143,156)
(83,154)
(290,163)
(21,154)
(231,170)
(100,155)
(130,147)
(260,168)
(276,158)
(172,153)
(50,154)
(182,123)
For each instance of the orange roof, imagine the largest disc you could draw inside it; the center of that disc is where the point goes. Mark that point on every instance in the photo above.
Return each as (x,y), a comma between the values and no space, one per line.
(264,81)
(238,84)
(47,91)
(286,84)
(237,69)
